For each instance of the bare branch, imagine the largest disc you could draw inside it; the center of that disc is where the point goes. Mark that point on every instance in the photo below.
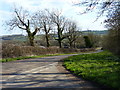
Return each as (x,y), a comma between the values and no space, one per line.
(21,27)
(20,19)
(91,5)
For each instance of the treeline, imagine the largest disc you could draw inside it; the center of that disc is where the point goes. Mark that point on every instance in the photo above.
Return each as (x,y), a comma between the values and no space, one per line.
(46,21)
(40,40)
(55,27)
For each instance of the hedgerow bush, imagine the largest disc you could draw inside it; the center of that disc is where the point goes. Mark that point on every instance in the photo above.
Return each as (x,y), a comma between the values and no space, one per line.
(10,50)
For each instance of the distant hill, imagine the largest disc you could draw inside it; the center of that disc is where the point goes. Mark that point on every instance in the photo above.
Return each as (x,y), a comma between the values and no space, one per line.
(96,32)
(18,37)
(21,37)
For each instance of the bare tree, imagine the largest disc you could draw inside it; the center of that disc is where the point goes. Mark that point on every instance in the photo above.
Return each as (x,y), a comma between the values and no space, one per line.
(73,33)
(102,5)
(23,20)
(60,22)
(44,19)
(113,25)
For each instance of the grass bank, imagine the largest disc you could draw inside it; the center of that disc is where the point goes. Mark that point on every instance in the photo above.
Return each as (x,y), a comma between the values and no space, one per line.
(103,68)
(27,57)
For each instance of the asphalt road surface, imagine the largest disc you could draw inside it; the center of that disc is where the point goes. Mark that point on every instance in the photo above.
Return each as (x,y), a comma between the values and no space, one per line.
(46,72)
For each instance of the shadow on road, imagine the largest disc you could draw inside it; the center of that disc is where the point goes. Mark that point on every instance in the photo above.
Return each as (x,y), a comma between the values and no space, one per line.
(41,80)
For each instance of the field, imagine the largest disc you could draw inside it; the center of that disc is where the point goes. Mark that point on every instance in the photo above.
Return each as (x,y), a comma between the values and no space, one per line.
(103,68)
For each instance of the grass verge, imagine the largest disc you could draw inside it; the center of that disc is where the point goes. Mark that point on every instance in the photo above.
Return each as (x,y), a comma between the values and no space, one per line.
(103,68)
(27,57)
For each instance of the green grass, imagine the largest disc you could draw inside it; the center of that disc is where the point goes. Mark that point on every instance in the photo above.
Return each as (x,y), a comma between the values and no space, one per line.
(103,68)
(28,57)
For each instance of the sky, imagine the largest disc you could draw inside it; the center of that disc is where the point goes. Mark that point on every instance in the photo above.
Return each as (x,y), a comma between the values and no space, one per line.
(69,10)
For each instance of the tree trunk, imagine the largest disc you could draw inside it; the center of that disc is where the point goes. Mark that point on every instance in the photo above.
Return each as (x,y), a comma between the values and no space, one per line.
(30,37)
(70,43)
(47,40)
(59,37)
(31,40)
(74,45)
(60,43)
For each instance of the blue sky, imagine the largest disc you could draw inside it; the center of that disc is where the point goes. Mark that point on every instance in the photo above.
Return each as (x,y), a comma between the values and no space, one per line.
(85,21)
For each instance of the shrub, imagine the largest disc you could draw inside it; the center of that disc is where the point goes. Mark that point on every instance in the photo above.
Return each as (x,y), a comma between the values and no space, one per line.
(11,50)
(87,42)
